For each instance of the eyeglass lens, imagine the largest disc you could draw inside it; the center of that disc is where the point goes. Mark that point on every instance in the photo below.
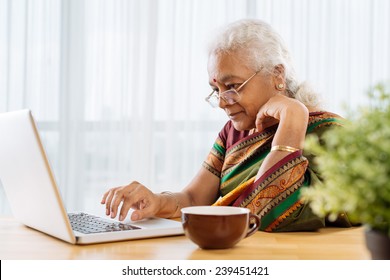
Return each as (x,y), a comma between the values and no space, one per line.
(229,96)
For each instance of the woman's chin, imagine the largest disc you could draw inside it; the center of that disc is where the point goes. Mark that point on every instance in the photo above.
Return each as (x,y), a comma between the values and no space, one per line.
(241,126)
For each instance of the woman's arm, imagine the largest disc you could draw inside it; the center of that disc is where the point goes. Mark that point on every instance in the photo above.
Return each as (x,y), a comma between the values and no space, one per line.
(293,118)
(202,190)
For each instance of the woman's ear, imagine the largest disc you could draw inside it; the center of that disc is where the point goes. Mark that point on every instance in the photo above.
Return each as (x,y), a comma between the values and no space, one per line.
(279,78)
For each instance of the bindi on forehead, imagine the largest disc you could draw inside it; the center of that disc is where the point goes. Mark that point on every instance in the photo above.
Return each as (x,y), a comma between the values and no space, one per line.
(224,78)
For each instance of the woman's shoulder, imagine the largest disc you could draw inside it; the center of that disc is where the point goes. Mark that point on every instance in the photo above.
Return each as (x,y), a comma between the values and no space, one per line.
(320,119)
(324,114)
(225,130)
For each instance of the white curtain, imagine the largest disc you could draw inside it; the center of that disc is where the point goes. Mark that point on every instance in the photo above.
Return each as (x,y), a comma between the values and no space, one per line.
(118,87)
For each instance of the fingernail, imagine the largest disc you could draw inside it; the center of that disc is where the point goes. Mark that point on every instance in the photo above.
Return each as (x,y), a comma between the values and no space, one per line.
(135,217)
(112,215)
(120,217)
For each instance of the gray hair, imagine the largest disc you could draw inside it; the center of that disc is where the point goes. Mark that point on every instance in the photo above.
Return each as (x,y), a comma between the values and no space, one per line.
(262,47)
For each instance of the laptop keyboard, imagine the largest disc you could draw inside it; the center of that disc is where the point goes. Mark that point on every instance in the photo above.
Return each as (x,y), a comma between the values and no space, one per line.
(86,223)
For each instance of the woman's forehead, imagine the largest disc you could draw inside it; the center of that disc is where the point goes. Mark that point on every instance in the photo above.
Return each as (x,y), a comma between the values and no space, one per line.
(223,67)
(221,60)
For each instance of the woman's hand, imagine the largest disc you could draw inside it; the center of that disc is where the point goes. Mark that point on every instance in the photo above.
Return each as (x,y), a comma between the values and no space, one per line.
(292,116)
(135,196)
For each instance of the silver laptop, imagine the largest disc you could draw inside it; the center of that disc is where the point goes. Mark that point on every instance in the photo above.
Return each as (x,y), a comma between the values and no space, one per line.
(35,200)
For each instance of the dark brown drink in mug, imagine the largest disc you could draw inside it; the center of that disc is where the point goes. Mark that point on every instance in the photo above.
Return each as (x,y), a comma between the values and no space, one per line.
(218,227)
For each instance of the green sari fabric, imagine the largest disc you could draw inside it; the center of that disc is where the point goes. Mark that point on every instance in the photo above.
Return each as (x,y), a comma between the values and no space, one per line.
(275,197)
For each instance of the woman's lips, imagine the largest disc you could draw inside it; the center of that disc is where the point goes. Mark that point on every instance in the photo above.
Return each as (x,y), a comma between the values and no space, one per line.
(235,115)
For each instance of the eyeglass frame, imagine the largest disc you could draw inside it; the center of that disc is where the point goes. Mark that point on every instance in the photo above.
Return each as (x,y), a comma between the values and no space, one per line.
(236,91)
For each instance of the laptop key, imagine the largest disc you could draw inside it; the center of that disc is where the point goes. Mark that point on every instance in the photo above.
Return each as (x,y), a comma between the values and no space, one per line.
(86,223)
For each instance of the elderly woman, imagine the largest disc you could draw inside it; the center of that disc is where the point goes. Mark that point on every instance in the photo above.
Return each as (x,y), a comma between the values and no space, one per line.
(258,159)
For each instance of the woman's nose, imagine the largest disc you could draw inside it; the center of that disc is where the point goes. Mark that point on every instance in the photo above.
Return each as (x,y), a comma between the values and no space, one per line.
(222,103)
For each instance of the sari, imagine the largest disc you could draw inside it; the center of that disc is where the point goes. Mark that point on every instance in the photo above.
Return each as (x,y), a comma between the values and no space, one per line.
(236,157)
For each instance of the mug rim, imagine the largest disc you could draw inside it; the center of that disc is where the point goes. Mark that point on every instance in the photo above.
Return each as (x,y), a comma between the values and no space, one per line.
(217,210)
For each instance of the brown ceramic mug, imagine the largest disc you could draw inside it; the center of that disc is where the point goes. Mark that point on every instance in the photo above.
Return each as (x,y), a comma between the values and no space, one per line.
(218,227)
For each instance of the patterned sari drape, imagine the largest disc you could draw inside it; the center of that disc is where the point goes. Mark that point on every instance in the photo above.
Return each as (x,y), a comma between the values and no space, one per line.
(236,158)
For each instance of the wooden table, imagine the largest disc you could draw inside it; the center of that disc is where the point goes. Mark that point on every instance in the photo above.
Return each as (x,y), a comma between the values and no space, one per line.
(19,242)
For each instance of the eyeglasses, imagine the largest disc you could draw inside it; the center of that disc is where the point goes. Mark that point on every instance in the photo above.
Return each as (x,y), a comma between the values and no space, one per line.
(230,96)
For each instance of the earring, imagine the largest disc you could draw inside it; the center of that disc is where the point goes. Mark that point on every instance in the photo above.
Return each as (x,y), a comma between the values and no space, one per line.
(280,86)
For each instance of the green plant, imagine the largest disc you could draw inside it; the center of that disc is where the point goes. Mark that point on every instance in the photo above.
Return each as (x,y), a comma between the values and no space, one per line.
(354,163)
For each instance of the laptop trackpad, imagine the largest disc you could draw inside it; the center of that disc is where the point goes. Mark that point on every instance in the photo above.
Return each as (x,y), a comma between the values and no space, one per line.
(155,223)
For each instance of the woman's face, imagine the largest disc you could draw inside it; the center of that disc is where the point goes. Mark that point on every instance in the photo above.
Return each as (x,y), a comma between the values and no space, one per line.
(227,71)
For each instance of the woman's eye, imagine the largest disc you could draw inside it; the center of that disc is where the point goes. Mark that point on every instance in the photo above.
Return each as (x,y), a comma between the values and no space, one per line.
(233,86)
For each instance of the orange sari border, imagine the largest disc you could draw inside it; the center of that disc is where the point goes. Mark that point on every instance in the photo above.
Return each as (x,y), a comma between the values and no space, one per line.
(268,176)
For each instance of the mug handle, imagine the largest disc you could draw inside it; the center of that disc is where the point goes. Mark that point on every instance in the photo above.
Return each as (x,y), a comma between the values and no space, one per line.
(255,226)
